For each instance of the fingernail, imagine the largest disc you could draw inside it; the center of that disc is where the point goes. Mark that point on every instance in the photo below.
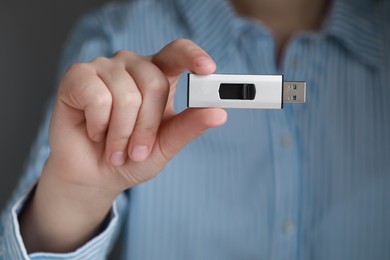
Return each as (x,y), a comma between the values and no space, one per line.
(139,153)
(203,62)
(117,158)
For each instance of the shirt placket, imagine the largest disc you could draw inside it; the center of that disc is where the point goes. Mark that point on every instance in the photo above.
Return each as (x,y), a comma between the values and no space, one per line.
(259,51)
(284,137)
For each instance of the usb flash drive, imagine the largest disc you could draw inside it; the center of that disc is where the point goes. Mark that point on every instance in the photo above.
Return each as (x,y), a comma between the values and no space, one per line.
(243,91)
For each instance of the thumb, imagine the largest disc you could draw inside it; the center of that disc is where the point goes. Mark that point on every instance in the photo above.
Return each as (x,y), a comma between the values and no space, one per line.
(185,127)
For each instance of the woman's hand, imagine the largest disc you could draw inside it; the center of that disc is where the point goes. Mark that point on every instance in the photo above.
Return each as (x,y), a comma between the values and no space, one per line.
(113,127)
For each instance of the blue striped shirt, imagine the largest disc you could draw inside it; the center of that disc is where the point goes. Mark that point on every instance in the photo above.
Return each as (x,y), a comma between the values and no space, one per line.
(307,182)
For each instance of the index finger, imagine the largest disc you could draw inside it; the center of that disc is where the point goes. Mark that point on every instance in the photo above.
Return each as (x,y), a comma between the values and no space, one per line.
(183,54)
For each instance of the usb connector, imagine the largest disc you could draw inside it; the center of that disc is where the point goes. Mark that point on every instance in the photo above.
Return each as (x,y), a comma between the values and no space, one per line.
(294,92)
(243,91)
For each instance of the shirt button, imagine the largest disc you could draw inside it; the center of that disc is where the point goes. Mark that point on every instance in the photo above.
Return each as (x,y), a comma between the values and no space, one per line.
(286,140)
(288,227)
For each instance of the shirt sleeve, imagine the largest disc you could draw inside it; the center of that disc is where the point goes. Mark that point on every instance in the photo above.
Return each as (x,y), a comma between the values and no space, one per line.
(88,40)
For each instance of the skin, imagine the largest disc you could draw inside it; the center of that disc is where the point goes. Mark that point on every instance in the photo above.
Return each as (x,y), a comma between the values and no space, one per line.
(114,127)
(107,107)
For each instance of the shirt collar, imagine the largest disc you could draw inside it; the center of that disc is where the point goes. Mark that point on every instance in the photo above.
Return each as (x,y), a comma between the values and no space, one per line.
(211,25)
(352,24)
(214,26)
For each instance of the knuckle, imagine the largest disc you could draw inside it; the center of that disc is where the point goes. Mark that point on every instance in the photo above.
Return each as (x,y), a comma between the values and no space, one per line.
(100,61)
(124,52)
(118,139)
(159,85)
(77,67)
(103,99)
(147,131)
(130,99)
(114,69)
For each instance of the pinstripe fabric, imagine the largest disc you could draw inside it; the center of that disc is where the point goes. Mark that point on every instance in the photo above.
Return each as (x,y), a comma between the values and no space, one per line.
(307,182)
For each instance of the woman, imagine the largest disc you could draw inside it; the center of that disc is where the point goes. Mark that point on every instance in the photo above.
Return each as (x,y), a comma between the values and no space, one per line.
(305,182)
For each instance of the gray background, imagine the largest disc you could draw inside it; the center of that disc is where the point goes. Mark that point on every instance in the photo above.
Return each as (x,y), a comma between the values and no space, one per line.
(32,34)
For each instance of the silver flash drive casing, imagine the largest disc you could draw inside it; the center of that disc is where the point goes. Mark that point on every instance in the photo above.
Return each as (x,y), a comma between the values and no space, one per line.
(204,91)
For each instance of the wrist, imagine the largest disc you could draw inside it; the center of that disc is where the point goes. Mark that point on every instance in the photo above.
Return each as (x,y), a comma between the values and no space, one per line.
(78,192)
(62,215)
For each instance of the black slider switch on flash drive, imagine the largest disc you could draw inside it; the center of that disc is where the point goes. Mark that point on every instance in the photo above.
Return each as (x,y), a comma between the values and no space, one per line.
(237,91)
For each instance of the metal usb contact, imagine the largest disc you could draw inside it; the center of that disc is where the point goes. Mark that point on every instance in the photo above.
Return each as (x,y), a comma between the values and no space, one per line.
(243,91)
(294,92)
